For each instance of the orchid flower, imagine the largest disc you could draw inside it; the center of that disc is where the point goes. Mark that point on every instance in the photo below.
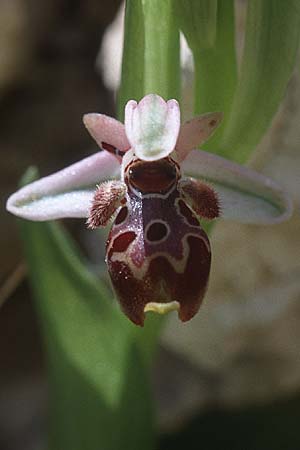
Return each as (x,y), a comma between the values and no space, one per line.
(156,186)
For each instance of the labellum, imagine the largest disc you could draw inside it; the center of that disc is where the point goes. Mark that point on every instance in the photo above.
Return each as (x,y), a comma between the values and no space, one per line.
(157,254)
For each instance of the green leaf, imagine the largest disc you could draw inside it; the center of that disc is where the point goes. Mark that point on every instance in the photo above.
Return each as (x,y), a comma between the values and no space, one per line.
(209,28)
(96,372)
(271,43)
(197,20)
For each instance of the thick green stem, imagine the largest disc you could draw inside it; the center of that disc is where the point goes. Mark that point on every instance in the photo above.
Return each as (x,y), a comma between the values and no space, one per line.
(151,52)
(161,59)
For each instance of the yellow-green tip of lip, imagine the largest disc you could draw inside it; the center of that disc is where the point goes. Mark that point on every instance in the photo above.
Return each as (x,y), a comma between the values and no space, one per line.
(162,308)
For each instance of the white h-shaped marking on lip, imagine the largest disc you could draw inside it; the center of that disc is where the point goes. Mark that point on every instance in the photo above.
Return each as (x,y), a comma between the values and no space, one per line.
(139,272)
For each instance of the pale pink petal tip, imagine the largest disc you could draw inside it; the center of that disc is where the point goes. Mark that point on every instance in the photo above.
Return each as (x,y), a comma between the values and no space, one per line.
(107,130)
(67,193)
(152,126)
(70,204)
(196,131)
(244,195)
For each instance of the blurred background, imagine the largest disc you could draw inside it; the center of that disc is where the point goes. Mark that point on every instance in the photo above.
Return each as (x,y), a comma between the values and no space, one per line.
(231,377)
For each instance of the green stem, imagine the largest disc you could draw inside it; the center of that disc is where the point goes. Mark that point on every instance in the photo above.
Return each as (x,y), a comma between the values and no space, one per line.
(216,72)
(161,60)
(151,52)
(132,79)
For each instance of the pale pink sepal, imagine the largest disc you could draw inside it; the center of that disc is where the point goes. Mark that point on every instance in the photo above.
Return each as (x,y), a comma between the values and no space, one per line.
(106,129)
(66,193)
(245,195)
(195,132)
(152,126)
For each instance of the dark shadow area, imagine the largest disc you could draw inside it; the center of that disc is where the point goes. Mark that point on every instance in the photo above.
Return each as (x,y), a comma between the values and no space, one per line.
(274,426)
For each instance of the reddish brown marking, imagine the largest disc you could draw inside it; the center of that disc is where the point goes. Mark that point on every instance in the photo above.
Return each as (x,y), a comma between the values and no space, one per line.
(121,216)
(212,123)
(108,147)
(201,197)
(163,284)
(130,291)
(187,213)
(111,149)
(195,278)
(157,231)
(153,177)
(122,242)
